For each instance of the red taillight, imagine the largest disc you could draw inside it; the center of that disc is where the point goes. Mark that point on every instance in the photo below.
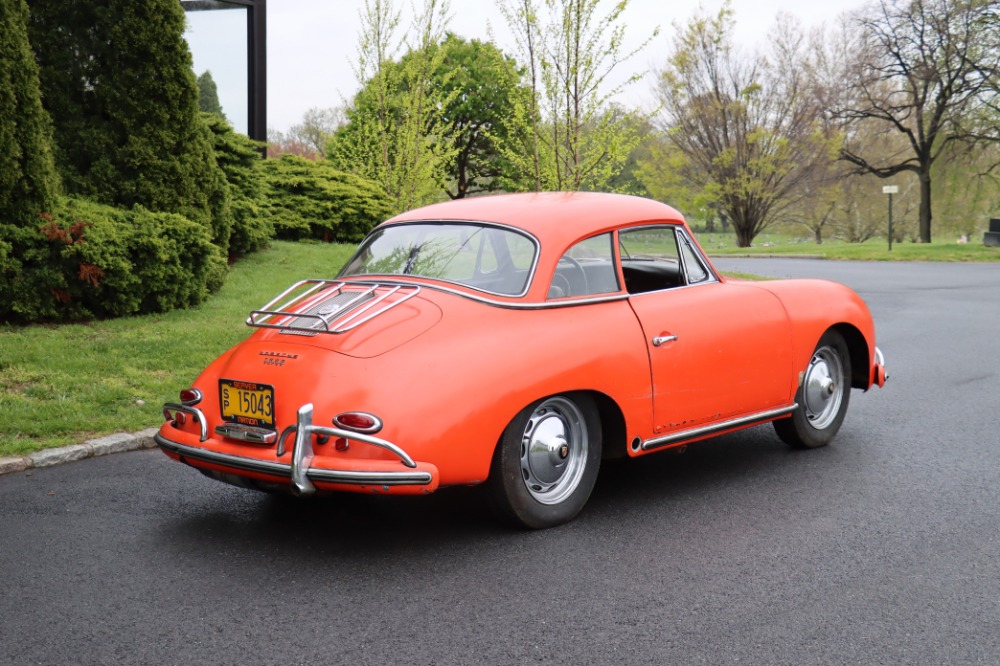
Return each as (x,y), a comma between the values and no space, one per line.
(191,397)
(341,444)
(358,422)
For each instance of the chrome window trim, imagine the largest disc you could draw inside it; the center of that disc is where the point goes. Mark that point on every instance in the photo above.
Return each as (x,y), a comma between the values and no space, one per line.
(686,239)
(681,236)
(472,223)
(545,305)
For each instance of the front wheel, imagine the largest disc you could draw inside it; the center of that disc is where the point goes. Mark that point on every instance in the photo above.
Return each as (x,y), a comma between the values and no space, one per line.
(546,462)
(822,396)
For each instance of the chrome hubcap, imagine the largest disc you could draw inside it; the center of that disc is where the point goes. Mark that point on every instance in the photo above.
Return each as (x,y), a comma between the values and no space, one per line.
(554,450)
(824,387)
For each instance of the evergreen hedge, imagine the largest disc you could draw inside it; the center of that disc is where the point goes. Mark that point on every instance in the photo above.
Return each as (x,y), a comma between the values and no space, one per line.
(240,158)
(314,200)
(88,260)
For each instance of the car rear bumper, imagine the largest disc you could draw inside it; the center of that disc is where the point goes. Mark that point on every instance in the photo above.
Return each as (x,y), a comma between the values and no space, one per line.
(305,471)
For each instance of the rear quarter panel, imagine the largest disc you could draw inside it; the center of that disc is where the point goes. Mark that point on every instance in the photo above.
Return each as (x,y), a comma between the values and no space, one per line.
(449,394)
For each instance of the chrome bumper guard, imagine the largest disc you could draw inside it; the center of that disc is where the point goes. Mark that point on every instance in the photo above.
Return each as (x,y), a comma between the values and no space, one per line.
(171,408)
(300,470)
(880,361)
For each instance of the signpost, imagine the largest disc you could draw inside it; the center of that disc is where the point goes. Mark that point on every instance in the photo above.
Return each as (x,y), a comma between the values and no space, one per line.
(890,190)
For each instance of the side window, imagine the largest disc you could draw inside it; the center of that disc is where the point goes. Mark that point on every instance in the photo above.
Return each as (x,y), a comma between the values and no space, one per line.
(694,267)
(651,259)
(586,269)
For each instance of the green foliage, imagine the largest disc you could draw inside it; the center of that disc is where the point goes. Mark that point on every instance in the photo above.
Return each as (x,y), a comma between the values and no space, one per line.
(117,80)
(664,172)
(208,95)
(28,180)
(240,160)
(90,260)
(396,132)
(472,89)
(480,86)
(314,200)
(571,135)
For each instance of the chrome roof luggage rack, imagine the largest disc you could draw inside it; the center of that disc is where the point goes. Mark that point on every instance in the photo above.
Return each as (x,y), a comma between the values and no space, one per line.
(328,306)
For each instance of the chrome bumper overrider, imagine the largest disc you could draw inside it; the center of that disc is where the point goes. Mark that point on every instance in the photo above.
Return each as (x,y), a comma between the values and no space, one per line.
(880,362)
(300,471)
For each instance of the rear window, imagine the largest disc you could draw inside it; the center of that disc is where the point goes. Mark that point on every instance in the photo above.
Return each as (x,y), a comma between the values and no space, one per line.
(488,258)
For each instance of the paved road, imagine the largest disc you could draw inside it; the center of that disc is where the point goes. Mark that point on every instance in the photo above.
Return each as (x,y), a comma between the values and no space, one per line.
(883,548)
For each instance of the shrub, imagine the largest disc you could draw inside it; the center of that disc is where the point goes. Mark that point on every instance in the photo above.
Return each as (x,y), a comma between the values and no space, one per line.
(240,158)
(90,260)
(315,200)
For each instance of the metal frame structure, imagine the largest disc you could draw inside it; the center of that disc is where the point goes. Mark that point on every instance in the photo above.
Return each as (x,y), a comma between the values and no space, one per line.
(256,56)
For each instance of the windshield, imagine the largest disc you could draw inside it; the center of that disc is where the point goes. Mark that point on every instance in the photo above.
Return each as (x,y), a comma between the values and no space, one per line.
(484,257)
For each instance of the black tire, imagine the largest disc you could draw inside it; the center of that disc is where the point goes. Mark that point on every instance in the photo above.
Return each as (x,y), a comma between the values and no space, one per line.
(545,465)
(822,396)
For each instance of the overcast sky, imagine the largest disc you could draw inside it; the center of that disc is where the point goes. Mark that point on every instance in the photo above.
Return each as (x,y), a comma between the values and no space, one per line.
(312,45)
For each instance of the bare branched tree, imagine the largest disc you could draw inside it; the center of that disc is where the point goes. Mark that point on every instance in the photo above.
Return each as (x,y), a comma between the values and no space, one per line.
(750,127)
(927,71)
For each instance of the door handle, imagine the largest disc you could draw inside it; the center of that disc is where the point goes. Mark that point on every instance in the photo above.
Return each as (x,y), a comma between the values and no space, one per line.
(661,339)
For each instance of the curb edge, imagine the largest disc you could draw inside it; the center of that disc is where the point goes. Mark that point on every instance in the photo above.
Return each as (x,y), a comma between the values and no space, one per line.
(91,448)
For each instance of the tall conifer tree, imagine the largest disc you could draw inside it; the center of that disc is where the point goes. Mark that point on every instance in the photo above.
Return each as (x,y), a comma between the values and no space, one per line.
(28,180)
(118,82)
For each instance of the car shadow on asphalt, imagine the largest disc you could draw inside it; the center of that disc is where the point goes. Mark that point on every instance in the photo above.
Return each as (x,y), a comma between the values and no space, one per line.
(355,525)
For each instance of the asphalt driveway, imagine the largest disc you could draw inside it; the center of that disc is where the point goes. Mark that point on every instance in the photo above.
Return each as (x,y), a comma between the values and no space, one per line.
(881,548)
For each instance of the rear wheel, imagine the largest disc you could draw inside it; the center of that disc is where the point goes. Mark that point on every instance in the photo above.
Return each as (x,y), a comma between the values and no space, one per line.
(546,462)
(822,396)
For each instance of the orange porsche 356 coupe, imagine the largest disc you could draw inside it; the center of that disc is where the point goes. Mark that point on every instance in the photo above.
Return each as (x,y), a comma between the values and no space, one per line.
(516,341)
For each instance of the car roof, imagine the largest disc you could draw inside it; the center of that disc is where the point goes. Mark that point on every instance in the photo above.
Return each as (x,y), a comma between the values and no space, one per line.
(550,216)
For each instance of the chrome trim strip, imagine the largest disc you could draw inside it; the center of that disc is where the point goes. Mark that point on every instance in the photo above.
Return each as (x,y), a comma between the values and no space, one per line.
(514,305)
(191,411)
(692,433)
(280,469)
(696,251)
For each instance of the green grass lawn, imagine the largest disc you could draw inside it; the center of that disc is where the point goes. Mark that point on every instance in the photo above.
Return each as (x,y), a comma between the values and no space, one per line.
(63,384)
(873,250)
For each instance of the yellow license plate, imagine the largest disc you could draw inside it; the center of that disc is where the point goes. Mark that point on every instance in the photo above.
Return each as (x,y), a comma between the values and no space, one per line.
(247,402)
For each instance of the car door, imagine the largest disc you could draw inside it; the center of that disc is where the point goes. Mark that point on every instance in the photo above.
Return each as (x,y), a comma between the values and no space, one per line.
(717,350)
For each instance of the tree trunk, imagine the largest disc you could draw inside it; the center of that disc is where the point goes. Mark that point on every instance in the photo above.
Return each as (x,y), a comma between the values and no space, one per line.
(819,235)
(925,205)
(743,236)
